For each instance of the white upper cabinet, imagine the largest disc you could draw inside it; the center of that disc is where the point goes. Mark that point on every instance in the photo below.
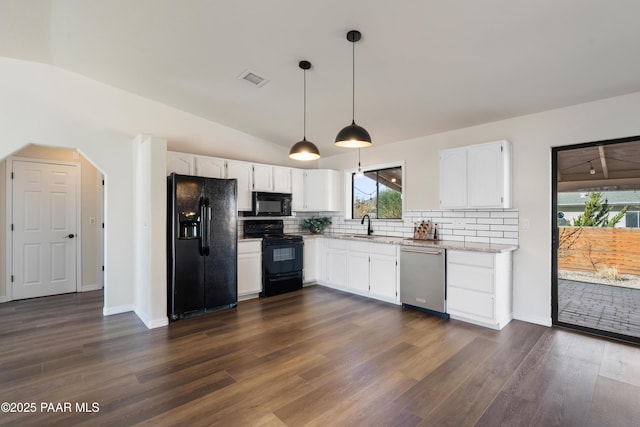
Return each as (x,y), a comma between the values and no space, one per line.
(297,190)
(477,176)
(312,190)
(262,178)
(210,167)
(281,179)
(321,190)
(180,163)
(272,179)
(242,172)
(453,178)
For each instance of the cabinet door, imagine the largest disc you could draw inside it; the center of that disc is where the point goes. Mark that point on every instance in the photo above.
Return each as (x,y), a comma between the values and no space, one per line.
(485,175)
(297,190)
(337,268)
(249,273)
(281,179)
(262,178)
(210,167)
(321,259)
(358,267)
(180,163)
(476,305)
(383,276)
(322,190)
(453,178)
(314,191)
(309,265)
(241,171)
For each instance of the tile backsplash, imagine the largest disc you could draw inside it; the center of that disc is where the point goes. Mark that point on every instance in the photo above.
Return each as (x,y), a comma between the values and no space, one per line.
(498,226)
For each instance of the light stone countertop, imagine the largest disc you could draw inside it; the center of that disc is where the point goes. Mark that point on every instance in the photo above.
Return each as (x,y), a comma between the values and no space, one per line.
(439,244)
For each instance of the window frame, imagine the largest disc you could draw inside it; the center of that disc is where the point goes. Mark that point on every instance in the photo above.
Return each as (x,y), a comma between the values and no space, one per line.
(348,187)
(637,215)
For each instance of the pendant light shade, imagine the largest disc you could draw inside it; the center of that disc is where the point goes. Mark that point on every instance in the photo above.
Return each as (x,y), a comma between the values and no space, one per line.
(304,150)
(353,136)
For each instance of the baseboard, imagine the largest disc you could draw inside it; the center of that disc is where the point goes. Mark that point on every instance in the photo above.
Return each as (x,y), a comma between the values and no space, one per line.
(155,323)
(544,321)
(4,299)
(92,287)
(109,311)
(248,296)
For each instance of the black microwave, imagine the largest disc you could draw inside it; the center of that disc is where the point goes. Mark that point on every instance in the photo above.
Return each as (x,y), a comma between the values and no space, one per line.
(271,204)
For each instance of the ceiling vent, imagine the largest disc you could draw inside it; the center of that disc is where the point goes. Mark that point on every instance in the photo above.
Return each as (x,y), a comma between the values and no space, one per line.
(253,78)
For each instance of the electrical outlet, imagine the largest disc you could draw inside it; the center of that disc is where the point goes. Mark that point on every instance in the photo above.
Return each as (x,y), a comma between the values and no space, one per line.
(459,222)
(92,221)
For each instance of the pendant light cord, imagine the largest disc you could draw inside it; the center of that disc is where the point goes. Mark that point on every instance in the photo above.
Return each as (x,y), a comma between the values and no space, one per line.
(304,120)
(353,81)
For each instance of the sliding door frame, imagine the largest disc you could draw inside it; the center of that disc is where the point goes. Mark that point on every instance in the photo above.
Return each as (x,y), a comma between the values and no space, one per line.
(555,238)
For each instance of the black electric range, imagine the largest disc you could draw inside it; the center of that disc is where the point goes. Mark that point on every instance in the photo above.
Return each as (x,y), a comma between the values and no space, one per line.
(282,256)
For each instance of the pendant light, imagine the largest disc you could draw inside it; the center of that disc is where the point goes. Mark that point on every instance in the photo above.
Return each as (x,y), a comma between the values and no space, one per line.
(304,150)
(353,136)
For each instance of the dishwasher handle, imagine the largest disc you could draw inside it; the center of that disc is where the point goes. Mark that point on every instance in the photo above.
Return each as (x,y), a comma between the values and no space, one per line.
(423,251)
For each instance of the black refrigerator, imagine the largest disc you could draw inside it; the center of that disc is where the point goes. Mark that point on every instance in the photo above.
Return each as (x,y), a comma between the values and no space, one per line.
(202,245)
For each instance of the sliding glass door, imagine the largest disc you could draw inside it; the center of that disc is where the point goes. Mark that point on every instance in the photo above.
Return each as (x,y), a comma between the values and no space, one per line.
(596,238)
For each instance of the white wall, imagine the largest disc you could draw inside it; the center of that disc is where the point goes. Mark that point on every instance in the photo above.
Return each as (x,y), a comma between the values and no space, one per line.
(44,105)
(532,137)
(151,230)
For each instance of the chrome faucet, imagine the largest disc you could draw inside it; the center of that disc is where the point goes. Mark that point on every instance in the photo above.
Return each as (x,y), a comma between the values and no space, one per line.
(369,229)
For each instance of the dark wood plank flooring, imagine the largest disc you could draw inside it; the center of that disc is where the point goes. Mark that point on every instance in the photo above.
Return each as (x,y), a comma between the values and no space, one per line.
(315,357)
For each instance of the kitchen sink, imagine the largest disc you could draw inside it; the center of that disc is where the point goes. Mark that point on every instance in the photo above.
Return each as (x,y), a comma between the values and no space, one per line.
(362,236)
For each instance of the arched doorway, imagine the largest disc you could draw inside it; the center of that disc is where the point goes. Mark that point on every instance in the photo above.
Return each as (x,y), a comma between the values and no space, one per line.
(87,228)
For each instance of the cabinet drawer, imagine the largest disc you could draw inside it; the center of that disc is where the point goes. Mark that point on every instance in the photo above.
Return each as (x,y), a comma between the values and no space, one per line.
(249,246)
(469,277)
(467,302)
(480,259)
(358,247)
(337,244)
(383,249)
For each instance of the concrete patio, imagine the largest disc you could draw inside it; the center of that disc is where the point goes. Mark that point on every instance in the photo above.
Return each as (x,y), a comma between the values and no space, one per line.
(604,307)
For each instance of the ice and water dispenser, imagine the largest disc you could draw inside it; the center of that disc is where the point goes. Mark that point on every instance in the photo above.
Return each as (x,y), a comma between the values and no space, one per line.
(189,225)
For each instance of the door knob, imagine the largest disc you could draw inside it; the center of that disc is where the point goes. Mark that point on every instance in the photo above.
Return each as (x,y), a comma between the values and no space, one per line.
(71,236)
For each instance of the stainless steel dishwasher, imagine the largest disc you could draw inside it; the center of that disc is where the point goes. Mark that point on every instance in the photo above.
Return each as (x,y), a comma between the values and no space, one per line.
(422,279)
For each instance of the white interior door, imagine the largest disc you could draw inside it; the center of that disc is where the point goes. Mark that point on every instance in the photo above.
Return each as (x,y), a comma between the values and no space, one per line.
(44,229)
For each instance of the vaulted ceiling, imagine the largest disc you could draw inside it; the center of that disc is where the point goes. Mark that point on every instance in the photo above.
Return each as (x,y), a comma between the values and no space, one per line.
(422,66)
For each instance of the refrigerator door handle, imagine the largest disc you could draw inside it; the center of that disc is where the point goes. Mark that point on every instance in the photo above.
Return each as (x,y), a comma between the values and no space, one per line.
(203,232)
(207,221)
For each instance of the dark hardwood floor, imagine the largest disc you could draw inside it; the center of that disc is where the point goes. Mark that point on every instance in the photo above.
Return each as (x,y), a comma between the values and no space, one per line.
(313,357)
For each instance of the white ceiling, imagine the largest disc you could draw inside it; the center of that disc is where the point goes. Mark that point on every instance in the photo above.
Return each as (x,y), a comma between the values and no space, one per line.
(422,66)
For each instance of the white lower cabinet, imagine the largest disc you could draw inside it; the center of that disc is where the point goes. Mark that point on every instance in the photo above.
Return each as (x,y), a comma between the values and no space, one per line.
(479,287)
(249,268)
(358,266)
(337,263)
(363,268)
(309,260)
(383,271)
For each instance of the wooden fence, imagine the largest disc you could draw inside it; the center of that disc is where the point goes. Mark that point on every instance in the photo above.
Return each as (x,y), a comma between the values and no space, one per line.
(589,249)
